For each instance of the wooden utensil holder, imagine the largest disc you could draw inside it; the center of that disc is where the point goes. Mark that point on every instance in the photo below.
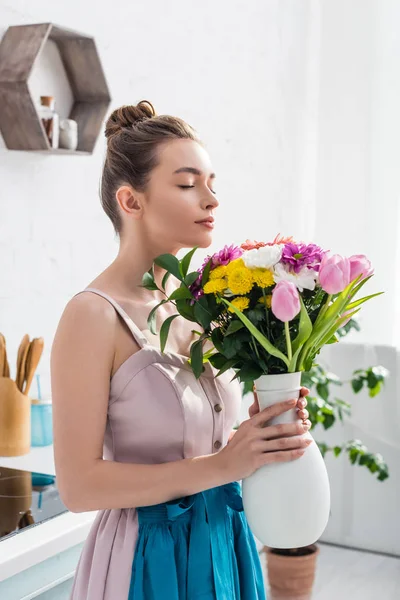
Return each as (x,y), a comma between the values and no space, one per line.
(15,419)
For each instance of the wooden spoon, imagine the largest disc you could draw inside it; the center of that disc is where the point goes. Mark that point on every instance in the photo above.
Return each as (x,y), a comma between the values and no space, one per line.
(22,373)
(6,366)
(35,353)
(21,361)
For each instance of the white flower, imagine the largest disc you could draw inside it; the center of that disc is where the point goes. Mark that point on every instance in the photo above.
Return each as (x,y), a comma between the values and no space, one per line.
(264,257)
(305,279)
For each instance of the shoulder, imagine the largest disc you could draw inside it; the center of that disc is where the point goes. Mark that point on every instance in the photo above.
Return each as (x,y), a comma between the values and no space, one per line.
(88,321)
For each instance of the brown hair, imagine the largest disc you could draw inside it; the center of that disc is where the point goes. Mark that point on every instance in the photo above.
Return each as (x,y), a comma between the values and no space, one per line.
(133,135)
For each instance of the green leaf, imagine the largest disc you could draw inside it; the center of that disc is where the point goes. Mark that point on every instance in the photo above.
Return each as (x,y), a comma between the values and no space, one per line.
(181,293)
(201,312)
(185,262)
(362,300)
(248,373)
(206,273)
(196,358)
(151,319)
(191,278)
(305,327)
(170,263)
(233,327)
(164,331)
(357,385)
(217,339)
(148,281)
(217,360)
(229,364)
(186,310)
(266,344)
(164,280)
(323,390)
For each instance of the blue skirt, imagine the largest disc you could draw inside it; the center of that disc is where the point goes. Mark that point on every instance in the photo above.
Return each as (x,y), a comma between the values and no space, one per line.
(197,547)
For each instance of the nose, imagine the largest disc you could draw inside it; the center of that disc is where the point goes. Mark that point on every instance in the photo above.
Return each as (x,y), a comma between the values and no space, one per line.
(210,201)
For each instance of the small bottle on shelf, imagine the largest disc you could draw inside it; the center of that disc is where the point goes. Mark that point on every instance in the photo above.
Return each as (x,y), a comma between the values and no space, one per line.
(50,120)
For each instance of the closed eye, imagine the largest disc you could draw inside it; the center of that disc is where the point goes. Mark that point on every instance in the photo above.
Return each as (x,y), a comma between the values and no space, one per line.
(188,187)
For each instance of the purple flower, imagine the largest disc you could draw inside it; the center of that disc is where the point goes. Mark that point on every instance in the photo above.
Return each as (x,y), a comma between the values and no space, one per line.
(223,257)
(302,255)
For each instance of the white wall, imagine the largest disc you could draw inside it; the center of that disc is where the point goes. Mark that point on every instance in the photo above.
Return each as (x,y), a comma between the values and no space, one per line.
(297,101)
(237,71)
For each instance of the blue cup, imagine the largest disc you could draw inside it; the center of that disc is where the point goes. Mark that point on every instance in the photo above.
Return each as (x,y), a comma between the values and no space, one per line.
(41,424)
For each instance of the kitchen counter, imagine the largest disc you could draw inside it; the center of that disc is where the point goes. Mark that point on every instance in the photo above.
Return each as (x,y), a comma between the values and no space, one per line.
(46,540)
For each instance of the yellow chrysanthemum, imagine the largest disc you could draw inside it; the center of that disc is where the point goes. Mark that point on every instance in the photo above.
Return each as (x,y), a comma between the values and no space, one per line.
(241,303)
(218,273)
(240,280)
(215,286)
(267,300)
(263,277)
(238,262)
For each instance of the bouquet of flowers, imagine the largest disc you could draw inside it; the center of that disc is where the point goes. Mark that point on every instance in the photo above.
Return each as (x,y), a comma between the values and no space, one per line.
(266,307)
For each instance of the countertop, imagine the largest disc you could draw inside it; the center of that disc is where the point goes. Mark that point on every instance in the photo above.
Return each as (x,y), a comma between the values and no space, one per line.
(36,544)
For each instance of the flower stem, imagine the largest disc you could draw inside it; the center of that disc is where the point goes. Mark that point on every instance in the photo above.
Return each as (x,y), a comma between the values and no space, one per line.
(288,341)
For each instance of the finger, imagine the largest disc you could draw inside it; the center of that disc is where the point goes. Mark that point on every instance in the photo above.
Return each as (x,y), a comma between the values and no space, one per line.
(284,443)
(282,456)
(271,411)
(304,391)
(253,409)
(302,403)
(303,414)
(281,430)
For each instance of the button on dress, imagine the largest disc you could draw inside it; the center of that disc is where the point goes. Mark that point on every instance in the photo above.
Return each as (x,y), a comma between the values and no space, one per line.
(198,547)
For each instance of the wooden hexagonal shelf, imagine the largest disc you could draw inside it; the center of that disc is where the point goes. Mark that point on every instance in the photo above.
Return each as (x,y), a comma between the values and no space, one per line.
(20,123)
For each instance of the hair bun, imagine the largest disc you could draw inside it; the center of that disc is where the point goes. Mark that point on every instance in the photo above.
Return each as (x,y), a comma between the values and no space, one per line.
(127,116)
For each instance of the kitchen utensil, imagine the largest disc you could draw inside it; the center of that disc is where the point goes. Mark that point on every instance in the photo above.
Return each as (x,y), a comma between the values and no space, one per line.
(34,355)
(6,366)
(15,419)
(21,360)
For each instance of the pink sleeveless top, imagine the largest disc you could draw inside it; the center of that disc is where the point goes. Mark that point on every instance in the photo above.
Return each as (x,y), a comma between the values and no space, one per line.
(158,412)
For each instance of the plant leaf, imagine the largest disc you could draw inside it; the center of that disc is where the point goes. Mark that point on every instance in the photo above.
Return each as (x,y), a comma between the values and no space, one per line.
(181,293)
(151,319)
(362,300)
(185,262)
(170,263)
(206,273)
(261,339)
(164,331)
(148,281)
(305,327)
(201,312)
(164,280)
(186,310)
(191,278)
(196,358)
(234,326)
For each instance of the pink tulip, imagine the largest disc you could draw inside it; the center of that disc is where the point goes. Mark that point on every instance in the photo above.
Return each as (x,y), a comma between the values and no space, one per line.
(334,273)
(285,303)
(359,263)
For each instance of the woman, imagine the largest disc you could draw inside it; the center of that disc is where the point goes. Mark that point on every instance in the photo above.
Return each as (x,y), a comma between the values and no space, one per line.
(136,436)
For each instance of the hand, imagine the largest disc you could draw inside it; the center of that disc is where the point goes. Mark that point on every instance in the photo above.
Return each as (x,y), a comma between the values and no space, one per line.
(303,414)
(256,443)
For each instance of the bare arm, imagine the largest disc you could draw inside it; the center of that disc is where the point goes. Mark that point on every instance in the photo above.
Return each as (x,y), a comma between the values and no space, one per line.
(81,363)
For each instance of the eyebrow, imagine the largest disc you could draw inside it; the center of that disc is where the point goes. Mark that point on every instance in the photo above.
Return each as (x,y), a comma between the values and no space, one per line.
(192,170)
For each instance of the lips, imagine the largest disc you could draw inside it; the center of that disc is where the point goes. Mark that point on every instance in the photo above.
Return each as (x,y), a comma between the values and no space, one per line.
(207,220)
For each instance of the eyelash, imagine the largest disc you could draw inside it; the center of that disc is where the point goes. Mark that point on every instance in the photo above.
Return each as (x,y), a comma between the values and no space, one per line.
(188,187)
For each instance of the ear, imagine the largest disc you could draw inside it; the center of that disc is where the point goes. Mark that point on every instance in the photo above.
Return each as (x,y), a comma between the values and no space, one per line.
(130,201)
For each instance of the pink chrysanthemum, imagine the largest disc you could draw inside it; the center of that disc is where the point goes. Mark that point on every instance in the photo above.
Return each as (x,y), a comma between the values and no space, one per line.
(302,255)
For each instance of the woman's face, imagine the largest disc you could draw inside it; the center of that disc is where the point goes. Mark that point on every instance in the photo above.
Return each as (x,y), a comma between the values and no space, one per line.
(179,195)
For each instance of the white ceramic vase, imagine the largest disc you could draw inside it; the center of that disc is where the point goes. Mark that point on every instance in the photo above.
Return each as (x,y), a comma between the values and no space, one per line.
(287,504)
